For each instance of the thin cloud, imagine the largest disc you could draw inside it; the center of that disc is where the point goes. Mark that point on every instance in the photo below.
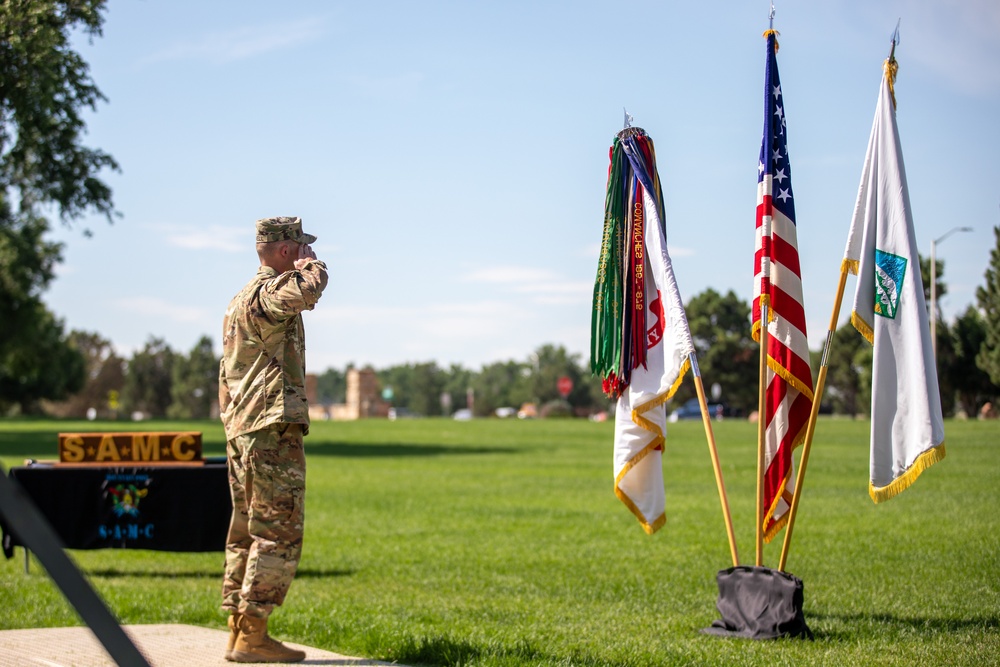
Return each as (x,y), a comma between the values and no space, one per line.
(452,321)
(240,43)
(557,287)
(363,314)
(216,238)
(506,275)
(543,286)
(558,293)
(151,306)
(680,251)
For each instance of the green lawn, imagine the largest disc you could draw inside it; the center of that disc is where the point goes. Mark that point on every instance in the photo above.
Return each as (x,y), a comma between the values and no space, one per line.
(501,543)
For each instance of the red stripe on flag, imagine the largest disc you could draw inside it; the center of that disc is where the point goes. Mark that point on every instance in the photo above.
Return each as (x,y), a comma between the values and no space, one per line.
(781,464)
(776,390)
(788,308)
(786,253)
(764,208)
(796,366)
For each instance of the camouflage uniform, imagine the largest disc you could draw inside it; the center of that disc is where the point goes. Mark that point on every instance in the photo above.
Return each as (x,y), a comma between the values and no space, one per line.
(264,411)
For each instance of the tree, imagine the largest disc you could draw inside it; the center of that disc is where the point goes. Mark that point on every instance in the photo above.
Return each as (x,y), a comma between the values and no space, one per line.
(458,381)
(727,354)
(945,362)
(105,373)
(943,342)
(195,382)
(331,385)
(551,362)
(47,368)
(925,277)
(502,384)
(972,384)
(44,86)
(416,387)
(149,379)
(848,371)
(988,297)
(426,385)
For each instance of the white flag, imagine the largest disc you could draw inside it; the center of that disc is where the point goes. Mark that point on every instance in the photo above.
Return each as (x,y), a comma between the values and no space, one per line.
(640,420)
(907,426)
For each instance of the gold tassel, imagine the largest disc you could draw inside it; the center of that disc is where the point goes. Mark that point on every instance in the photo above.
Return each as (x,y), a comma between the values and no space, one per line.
(768,33)
(891,68)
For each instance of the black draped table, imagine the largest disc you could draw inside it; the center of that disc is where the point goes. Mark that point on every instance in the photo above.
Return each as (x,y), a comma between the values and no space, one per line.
(163,508)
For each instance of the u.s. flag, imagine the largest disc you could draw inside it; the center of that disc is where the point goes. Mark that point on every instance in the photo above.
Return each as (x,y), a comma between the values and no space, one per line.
(778,285)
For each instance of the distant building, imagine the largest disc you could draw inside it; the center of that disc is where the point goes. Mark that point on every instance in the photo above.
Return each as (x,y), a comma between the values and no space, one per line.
(362,401)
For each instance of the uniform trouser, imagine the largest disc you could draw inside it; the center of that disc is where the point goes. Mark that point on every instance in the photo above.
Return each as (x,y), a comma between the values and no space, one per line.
(267,479)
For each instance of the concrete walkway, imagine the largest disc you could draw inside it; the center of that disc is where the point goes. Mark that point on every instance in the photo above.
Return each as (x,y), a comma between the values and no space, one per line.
(163,646)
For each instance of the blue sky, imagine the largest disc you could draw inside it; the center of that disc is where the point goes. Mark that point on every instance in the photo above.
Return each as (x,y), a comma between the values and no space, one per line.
(452,156)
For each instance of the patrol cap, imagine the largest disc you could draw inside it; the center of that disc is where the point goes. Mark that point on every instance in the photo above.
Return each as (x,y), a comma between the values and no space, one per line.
(280,228)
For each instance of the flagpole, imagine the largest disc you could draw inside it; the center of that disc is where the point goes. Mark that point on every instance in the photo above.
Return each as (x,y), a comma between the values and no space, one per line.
(761,434)
(714,453)
(813,415)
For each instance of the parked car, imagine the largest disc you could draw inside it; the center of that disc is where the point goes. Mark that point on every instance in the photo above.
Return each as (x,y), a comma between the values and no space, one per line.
(692,410)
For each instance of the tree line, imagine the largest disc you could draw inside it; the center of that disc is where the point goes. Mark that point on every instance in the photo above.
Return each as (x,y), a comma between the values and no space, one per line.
(81,373)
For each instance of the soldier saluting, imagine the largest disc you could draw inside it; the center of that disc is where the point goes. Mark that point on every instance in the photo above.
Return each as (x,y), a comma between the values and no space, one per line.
(262,399)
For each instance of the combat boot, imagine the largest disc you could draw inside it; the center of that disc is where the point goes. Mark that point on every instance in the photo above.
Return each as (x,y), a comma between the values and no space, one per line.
(234,631)
(253,644)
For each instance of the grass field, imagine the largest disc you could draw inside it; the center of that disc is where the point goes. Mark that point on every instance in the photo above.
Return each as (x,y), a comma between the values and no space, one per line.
(501,543)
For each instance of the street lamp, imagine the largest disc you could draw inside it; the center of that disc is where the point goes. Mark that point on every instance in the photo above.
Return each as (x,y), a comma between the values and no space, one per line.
(934,243)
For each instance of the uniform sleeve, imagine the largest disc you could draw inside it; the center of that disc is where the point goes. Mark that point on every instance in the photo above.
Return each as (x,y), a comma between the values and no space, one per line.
(293,291)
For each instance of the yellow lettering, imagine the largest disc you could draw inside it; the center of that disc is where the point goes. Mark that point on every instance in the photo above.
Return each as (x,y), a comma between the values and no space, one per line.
(73,449)
(176,448)
(145,450)
(107,449)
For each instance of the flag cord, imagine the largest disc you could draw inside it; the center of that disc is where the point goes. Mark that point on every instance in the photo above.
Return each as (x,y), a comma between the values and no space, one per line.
(714,453)
(761,435)
(813,414)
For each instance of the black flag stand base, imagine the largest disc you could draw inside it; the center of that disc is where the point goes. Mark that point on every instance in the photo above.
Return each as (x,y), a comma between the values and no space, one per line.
(759,603)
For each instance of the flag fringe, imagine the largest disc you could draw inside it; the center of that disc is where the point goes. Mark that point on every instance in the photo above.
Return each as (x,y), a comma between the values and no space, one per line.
(862,327)
(787,376)
(779,523)
(649,526)
(898,485)
(657,442)
(775,528)
(660,521)
(765,301)
(778,497)
(660,399)
(849,266)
